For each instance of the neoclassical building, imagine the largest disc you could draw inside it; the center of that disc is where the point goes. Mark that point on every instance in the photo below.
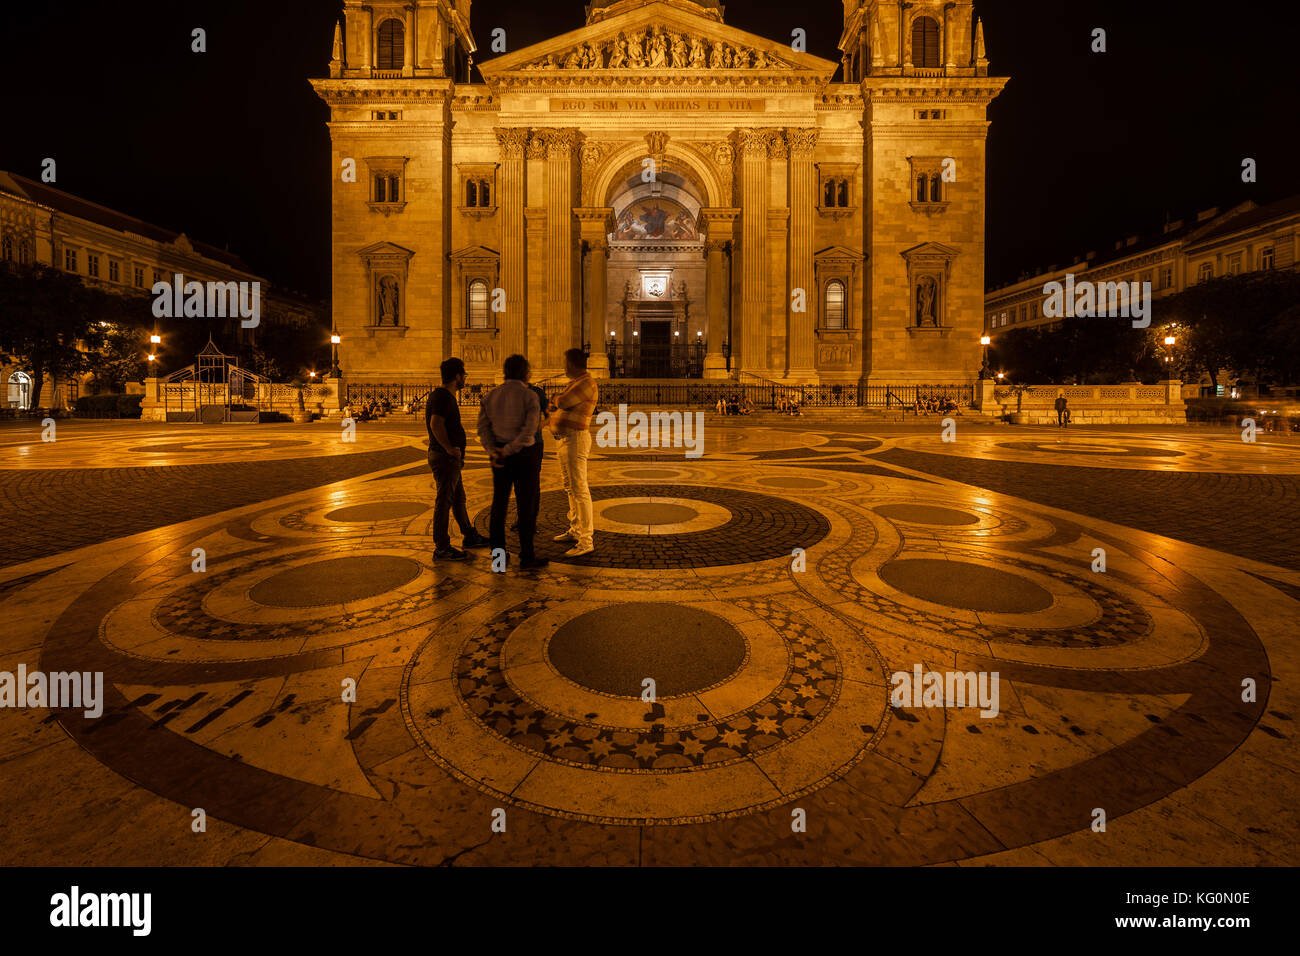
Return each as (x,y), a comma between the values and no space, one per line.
(682,197)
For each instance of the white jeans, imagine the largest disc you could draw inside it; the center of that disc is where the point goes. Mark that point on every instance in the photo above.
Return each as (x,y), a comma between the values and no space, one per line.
(572,449)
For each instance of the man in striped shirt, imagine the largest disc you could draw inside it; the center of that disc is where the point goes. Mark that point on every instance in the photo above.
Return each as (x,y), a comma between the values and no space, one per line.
(570,420)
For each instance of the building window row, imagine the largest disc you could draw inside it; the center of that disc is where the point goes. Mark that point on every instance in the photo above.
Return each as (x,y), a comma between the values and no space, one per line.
(835,194)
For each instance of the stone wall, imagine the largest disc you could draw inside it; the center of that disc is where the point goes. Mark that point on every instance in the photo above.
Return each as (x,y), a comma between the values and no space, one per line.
(1128,404)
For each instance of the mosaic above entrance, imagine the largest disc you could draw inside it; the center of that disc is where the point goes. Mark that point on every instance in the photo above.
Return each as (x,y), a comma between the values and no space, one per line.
(656,219)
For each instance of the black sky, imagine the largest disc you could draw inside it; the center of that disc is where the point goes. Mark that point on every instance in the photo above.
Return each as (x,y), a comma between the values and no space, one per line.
(231,146)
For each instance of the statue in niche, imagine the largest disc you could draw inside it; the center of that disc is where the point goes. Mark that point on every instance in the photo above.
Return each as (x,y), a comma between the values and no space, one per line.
(679,51)
(699,58)
(658,49)
(715,56)
(926,293)
(618,55)
(635,54)
(388,300)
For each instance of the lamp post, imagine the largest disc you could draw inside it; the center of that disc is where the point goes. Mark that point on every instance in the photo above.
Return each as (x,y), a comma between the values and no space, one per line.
(984,360)
(1170,342)
(334,345)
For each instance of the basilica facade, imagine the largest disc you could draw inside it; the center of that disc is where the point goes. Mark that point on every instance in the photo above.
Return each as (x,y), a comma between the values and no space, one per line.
(680,197)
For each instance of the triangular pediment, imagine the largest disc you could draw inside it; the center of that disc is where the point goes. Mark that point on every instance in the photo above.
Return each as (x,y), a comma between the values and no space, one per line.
(930,250)
(385,250)
(474,252)
(657,40)
(838,252)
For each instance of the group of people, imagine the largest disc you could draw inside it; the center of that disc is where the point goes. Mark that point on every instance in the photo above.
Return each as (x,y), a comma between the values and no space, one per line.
(511,421)
(367,411)
(731,405)
(787,405)
(933,404)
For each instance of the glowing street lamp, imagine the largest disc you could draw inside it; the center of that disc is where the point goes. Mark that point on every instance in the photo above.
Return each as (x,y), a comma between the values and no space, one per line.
(335,339)
(1170,340)
(155,339)
(984,359)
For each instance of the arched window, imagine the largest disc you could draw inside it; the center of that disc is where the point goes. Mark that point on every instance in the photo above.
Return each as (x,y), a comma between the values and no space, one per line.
(20,390)
(478,304)
(471,192)
(829,199)
(920,188)
(936,188)
(925,42)
(834,313)
(844,193)
(391,53)
(7,248)
(484,193)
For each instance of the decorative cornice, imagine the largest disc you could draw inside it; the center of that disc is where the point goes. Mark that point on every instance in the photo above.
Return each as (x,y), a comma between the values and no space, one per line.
(801,139)
(513,139)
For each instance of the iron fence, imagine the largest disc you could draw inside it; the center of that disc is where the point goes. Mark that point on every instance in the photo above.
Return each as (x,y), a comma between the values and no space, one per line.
(655,361)
(687,393)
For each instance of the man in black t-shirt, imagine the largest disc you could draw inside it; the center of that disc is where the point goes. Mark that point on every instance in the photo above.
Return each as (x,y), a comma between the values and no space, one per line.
(446,459)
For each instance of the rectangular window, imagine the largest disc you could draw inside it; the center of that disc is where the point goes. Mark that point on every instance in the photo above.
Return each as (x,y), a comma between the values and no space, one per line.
(1206,272)
(114,271)
(1234,264)
(92,265)
(1167,277)
(1266,257)
(381,189)
(70,259)
(157,277)
(137,276)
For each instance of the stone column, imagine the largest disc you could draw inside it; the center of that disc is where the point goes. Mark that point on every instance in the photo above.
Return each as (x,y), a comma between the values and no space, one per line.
(593,223)
(512,324)
(408,42)
(561,326)
(720,224)
(368,47)
(751,355)
(800,364)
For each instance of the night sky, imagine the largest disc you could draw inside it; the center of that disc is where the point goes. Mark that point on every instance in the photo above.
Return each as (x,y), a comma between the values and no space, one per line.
(231,146)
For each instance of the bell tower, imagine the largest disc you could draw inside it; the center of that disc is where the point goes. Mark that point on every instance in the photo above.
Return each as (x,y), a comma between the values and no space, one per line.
(390,40)
(911,38)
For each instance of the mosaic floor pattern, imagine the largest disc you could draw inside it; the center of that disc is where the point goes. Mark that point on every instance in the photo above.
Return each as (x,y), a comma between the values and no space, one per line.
(325,692)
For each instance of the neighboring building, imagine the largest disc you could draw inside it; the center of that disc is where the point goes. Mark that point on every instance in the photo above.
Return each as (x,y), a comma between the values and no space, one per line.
(43,225)
(658,178)
(1246,238)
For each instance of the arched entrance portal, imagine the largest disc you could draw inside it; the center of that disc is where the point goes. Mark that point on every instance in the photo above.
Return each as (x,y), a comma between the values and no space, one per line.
(658,289)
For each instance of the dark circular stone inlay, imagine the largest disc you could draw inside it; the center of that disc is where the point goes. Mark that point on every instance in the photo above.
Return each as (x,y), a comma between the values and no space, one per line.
(613,649)
(1065,448)
(199,446)
(654,473)
(970,586)
(779,482)
(652,512)
(336,581)
(926,514)
(377,511)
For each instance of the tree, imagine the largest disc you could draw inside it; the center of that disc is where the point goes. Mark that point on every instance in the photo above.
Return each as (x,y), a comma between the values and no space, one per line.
(1230,323)
(48,313)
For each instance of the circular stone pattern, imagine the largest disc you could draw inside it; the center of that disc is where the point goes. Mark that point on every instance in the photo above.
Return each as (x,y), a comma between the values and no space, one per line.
(654,473)
(1065,448)
(969,586)
(761,527)
(377,511)
(613,649)
(926,514)
(201,446)
(336,581)
(782,482)
(650,513)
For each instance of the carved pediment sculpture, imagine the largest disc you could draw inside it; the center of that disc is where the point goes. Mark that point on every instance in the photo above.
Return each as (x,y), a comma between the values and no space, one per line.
(658,48)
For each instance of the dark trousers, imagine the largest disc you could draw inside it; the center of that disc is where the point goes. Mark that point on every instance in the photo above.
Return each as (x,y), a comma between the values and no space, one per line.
(450,498)
(517,472)
(1061,416)
(536,455)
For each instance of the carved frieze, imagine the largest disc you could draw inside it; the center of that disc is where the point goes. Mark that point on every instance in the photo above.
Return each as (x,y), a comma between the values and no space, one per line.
(656,48)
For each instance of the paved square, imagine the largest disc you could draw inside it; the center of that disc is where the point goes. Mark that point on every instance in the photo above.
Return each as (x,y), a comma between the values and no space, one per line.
(773,590)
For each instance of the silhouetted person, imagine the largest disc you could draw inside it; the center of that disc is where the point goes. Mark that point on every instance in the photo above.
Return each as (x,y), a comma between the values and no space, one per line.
(507,424)
(1062,411)
(446,460)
